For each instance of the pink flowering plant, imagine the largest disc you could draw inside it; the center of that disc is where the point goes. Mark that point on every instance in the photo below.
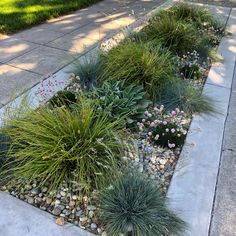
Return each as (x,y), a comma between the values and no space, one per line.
(167,129)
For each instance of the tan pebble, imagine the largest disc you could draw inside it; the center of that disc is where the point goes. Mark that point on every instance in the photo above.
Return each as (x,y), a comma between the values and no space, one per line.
(60,221)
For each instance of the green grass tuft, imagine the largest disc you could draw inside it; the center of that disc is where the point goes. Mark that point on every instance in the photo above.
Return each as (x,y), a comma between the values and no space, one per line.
(58,144)
(143,64)
(178,36)
(197,15)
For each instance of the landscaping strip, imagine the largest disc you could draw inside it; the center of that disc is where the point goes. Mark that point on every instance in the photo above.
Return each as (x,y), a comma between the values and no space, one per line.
(159,139)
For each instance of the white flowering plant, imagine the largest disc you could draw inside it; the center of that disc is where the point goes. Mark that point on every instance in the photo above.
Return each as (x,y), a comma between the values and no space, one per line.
(167,129)
(190,65)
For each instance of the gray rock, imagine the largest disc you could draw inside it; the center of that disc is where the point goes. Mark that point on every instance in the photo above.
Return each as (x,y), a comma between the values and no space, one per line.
(71,204)
(48,201)
(63,194)
(28,187)
(57,202)
(44,190)
(91,214)
(67,212)
(61,207)
(78,213)
(91,208)
(76,223)
(30,200)
(35,191)
(83,219)
(43,208)
(38,199)
(93,226)
(56,211)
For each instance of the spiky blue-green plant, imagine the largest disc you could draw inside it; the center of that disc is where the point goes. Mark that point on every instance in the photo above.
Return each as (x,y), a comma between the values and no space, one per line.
(187,97)
(133,205)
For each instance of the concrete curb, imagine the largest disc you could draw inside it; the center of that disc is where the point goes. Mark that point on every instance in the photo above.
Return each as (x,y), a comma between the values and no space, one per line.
(192,188)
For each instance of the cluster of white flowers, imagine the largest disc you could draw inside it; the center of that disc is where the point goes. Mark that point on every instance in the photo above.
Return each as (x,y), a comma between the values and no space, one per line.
(74,83)
(190,65)
(160,126)
(215,32)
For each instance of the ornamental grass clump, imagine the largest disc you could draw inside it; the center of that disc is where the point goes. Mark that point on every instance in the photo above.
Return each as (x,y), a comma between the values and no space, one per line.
(199,16)
(187,97)
(88,70)
(178,36)
(143,64)
(206,30)
(133,205)
(56,145)
(118,99)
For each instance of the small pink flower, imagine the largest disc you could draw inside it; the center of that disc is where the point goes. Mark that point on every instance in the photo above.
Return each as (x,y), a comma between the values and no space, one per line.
(164,122)
(172,130)
(171,145)
(152,124)
(173,113)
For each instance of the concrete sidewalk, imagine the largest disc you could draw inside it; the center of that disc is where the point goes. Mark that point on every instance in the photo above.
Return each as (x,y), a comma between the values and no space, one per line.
(33,55)
(224,212)
(18,218)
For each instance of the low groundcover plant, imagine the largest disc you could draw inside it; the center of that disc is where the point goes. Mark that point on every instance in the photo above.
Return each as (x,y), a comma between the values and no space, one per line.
(167,129)
(119,100)
(76,136)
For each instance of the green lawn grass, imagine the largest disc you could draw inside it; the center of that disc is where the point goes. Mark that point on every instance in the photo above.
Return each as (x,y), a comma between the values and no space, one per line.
(20,14)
